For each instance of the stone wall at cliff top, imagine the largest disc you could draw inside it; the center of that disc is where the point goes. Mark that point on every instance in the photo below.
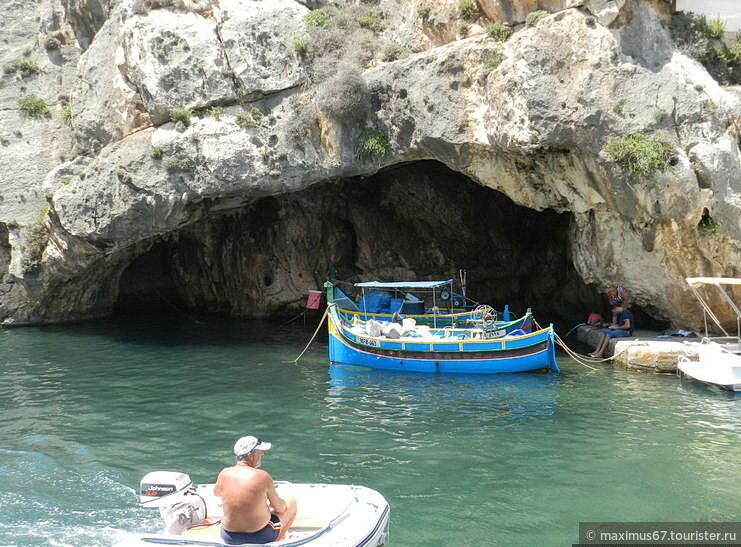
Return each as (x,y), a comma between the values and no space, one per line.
(106,174)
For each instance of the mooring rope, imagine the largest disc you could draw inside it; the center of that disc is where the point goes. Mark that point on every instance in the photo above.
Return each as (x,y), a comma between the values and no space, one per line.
(579,358)
(313,336)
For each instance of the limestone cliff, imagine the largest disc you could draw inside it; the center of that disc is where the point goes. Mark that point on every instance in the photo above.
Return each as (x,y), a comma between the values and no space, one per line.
(227,153)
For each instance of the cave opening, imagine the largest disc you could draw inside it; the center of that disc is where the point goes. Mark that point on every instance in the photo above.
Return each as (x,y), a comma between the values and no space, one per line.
(149,284)
(419,220)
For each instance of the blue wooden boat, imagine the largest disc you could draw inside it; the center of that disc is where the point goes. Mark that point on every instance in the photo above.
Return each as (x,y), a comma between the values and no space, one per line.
(450,312)
(437,350)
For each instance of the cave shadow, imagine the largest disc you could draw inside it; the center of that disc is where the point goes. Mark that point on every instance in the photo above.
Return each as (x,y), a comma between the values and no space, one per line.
(413,221)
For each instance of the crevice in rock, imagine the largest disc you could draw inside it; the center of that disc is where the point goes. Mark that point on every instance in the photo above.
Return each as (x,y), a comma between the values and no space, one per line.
(86,18)
(236,82)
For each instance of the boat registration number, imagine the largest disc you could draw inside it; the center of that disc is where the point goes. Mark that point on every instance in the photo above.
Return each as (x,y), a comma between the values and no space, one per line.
(496,333)
(369,342)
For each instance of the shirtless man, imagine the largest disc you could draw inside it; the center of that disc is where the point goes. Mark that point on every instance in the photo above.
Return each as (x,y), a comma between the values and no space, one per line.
(253,511)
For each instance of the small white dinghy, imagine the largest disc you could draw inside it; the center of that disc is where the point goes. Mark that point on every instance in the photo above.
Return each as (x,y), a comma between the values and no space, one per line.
(716,366)
(328,514)
(719,362)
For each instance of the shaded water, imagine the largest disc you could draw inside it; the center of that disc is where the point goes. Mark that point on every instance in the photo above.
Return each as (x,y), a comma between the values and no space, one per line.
(463,460)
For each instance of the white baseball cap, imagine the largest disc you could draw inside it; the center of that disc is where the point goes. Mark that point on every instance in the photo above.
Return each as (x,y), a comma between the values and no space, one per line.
(247,444)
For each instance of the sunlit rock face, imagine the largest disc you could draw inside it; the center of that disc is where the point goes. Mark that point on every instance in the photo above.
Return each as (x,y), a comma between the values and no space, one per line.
(191,150)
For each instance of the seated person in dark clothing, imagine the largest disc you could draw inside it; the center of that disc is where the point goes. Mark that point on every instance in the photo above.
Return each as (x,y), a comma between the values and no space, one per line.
(618,297)
(621,328)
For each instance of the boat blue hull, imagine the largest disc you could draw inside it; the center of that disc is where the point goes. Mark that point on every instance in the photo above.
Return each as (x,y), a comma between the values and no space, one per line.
(536,356)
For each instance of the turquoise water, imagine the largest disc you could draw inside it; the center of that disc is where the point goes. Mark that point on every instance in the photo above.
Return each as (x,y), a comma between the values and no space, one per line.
(498,460)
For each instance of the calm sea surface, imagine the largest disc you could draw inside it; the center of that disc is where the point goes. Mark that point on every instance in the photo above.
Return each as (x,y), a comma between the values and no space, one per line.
(497,460)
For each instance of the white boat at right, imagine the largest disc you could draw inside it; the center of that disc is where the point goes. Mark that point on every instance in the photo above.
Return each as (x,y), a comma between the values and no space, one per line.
(719,358)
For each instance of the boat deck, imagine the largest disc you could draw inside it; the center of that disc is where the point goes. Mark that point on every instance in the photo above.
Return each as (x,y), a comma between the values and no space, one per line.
(649,350)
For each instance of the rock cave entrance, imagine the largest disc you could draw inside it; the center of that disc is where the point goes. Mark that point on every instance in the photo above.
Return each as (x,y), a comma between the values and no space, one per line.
(418,220)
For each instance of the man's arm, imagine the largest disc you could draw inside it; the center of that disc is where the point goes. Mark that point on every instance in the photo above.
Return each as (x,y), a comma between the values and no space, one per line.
(625,325)
(276,502)
(217,486)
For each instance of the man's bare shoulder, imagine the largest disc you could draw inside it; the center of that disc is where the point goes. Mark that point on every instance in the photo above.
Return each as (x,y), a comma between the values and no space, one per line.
(245,471)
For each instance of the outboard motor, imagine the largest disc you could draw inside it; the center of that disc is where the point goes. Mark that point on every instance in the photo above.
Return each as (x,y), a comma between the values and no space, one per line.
(173,493)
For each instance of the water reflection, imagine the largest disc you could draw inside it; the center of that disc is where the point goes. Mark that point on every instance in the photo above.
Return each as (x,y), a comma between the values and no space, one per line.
(417,395)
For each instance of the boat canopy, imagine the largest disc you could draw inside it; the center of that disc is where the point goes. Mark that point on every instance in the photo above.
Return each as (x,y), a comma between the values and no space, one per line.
(403,284)
(697,281)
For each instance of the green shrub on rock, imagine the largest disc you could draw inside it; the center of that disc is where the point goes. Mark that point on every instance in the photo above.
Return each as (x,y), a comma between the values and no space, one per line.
(371,143)
(707,225)
(372,19)
(700,40)
(468,9)
(534,17)
(498,31)
(494,57)
(641,155)
(394,52)
(25,67)
(318,18)
(67,114)
(717,28)
(32,107)
(37,239)
(299,47)
(248,118)
(179,164)
(180,115)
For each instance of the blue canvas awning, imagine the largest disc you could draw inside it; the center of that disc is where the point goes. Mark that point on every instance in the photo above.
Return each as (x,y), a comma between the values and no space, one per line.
(403,285)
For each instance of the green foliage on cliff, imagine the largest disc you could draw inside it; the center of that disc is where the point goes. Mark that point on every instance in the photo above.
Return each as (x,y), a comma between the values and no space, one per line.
(372,19)
(498,31)
(394,52)
(318,18)
(24,67)
(371,143)
(32,107)
(181,115)
(179,164)
(707,225)
(37,238)
(299,46)
(534,17)
(248,118)
(716,28)
(494,57)
(468,9)
(702,40)
(641,155)
(67,114)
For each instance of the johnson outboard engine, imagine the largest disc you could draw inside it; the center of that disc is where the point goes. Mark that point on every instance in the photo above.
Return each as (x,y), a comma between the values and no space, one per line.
(173,493)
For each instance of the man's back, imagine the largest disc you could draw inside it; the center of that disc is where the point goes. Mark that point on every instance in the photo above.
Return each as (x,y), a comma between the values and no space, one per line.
(244,495)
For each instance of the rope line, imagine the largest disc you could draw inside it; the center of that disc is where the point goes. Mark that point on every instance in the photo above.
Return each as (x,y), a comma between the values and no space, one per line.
(313,336)
(579,358)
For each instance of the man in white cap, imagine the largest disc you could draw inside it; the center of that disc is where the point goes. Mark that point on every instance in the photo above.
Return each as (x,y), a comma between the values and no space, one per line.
(253,510)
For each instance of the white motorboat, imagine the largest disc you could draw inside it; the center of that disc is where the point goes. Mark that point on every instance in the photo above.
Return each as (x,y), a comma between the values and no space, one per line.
(328,514)
(716,366)
(719,362)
